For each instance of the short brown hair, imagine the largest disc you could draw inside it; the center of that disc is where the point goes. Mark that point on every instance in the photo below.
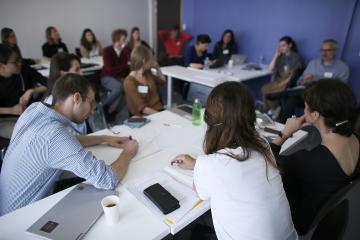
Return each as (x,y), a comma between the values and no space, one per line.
(69,84)
(139,56)
(117,34)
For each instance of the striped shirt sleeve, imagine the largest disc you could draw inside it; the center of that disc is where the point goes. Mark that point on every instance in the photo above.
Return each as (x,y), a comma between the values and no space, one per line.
(66,152)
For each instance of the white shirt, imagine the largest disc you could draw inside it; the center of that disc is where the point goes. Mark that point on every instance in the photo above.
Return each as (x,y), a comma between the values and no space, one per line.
(245,204)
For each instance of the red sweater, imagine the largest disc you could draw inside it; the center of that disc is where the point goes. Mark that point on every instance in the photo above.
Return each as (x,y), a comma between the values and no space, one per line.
(174,47)
(116,66)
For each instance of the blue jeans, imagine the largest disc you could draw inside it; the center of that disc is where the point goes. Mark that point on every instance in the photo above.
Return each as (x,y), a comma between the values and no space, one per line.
(113,91)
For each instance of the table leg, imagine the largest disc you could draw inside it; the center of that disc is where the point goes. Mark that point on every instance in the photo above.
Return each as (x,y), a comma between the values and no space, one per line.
(169,92)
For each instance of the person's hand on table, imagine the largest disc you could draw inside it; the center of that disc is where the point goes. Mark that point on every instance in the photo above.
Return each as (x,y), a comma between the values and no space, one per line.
(131,147)
(184,161)
(118,142)
(196,65)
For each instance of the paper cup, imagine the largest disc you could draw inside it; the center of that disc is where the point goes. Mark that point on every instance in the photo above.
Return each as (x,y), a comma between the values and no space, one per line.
(110,205)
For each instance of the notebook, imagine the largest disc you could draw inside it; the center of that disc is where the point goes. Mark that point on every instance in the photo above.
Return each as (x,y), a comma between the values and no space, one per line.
(73,215)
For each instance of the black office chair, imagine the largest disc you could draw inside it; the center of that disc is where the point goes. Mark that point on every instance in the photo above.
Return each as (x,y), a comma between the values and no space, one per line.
(4,143)
(333,218)
(357,121)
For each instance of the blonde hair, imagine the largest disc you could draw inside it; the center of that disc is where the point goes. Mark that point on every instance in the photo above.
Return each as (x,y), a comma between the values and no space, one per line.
(139,56)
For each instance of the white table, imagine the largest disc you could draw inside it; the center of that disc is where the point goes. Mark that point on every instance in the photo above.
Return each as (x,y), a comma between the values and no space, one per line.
(173,135)
(210,77)
(94,60)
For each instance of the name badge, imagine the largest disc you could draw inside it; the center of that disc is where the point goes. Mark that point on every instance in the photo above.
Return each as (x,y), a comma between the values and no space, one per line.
(226,51)
(328,74)
(178,43)
(143,89)
(60,49)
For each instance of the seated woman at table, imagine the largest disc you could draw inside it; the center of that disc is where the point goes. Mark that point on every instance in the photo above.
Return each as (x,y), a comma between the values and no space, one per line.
(61,64)
(197,54)
(53,43)
(224,48)
(135,39)
(89,45)
(8,37)
(141,85)
(285,65)
(239,173)
(20,85)
(311,177)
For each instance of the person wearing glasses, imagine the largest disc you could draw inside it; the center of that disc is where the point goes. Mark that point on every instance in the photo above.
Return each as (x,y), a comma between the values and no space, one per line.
(19,86)
(42,148)
(327,66)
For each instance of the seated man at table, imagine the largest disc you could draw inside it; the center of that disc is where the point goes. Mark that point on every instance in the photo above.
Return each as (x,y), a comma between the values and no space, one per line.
(327,66)
(19,86)
(197,54)
(41,147)
(116,67)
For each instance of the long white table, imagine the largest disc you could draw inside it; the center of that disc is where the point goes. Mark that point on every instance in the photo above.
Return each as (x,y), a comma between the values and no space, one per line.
(210,77)
(160,141)
(95,60)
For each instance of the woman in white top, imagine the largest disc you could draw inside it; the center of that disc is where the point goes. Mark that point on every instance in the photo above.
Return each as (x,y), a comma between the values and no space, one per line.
(89,46)
(238,174)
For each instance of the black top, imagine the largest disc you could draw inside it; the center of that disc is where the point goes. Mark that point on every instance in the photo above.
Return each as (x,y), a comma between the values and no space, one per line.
(192,57)
(12,88)
(50,50)
(224,54)
(310,178)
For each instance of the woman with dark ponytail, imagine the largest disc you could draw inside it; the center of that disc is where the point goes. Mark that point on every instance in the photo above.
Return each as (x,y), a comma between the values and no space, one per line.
(311,177)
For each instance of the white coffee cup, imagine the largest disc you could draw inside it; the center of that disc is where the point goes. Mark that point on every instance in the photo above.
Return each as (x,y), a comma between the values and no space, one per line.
(110,206)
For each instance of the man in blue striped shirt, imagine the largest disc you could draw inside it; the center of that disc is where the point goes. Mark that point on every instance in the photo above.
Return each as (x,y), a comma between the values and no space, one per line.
(42,147)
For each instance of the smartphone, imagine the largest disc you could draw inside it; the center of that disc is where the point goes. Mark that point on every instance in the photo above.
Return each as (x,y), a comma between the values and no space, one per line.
(271,130)
(136,120)
(166,202)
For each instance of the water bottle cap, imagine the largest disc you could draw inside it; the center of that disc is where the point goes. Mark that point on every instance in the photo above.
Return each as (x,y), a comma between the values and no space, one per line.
(196,100)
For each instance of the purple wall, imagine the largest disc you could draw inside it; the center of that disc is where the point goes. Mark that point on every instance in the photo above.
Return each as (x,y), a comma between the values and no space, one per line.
(258,25)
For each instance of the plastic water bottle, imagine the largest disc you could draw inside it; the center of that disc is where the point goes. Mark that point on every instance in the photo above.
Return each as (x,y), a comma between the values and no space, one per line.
(196,112)
(206,63)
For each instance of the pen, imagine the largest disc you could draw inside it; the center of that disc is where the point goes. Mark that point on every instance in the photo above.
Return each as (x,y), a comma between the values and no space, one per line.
(176,161)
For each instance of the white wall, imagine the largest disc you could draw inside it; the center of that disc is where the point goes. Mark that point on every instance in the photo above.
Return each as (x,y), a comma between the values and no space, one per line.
(29,19)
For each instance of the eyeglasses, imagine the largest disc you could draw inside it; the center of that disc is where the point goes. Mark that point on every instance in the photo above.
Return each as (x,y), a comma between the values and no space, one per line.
(91,101)
(327,49)
(18,61)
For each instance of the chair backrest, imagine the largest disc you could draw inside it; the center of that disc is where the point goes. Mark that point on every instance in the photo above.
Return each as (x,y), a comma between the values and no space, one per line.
(332,219)
(357,121)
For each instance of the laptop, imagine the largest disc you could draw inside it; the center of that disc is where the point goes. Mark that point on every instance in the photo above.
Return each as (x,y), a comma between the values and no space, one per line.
(73,215)
(183,110)
(238,59)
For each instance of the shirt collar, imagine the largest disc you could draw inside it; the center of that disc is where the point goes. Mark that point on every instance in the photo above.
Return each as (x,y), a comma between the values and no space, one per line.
(332,64)
(46,109)
(117,51)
